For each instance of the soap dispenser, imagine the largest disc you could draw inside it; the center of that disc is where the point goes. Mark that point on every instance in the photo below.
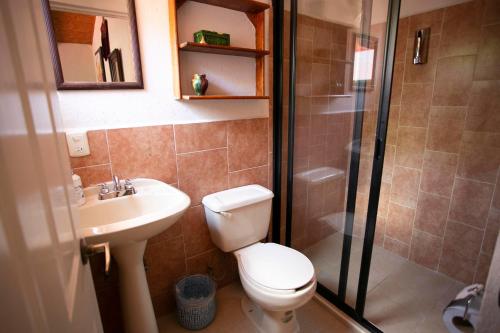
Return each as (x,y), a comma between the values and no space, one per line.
(78,189)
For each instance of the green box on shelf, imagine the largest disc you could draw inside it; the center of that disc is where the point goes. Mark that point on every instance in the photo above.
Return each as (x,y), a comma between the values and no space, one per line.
(211,37)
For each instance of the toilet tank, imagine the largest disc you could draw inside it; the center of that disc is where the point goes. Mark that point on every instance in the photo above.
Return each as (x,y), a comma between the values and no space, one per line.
(239,216)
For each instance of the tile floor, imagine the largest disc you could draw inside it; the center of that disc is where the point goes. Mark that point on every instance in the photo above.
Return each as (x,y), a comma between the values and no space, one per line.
(402,296)
(313,317)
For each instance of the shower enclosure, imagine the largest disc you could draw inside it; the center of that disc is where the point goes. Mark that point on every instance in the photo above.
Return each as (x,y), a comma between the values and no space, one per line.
(376,154)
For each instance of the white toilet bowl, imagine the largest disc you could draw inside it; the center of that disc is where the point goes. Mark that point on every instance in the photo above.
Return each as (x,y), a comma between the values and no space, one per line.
(276,278)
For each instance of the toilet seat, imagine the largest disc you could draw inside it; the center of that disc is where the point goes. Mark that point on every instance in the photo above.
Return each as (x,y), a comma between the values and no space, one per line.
(275,266)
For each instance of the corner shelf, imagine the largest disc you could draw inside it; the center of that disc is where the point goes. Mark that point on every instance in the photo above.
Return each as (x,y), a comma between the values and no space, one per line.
(255,12)
(224,50)
(214,97)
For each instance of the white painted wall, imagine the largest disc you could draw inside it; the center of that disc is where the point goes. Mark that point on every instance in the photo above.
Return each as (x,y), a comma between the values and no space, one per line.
(77,61)
(155,104)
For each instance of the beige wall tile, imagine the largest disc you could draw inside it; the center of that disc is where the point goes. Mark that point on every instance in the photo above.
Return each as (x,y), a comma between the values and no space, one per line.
(483,114)
(195,231)
(425,249)
(410,147)
(143,152)
(400,223)
(461,29)
(487,56)
(471,202)
(257,175)
(94,175)
(397,247)
(405,186)
(247,143)
(432,212)
(438,172)
(415,105)
(445,129)
(453,81)
(203,136)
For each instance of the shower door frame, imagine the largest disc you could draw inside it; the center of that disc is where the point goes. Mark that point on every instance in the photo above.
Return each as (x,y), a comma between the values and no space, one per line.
(378,159)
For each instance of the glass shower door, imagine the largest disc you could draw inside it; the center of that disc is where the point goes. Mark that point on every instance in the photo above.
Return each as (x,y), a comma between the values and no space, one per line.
(336,61)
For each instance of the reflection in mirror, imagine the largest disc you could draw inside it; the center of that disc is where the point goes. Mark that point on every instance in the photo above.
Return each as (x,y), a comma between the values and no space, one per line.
(94,43)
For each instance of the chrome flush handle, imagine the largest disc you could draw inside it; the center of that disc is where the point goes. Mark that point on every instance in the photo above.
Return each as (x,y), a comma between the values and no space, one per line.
(86,251)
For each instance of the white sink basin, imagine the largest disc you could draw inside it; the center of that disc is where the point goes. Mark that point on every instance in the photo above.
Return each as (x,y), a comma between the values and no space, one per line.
(154,208)
(127,223)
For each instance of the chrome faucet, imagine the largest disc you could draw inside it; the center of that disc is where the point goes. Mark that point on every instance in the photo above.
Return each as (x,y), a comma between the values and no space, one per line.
(118,190)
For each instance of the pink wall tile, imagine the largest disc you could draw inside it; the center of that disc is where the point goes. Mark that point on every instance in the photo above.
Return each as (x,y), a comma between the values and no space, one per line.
(453,81)
(247,143)
(202,173)
(425,249)
(94,175)
(400,223)
(203,136)
(471,202)
(432,212)
(143,152)
(195,231)
(257,175)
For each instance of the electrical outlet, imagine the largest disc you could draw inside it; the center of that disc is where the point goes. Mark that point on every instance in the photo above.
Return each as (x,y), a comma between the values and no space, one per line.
(78,144)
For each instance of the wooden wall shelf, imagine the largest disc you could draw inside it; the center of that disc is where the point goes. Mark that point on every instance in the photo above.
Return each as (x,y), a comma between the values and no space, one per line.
(247,6)
(213,97)
(255,12)
(224,50)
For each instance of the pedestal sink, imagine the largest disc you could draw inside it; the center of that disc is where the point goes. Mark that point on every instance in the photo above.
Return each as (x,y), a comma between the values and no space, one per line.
(127,223)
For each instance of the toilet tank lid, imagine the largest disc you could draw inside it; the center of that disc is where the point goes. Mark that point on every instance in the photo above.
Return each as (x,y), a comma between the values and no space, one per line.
(236,198)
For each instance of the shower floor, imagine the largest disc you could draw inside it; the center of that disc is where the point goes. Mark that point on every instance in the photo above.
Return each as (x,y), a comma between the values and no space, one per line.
(402,296)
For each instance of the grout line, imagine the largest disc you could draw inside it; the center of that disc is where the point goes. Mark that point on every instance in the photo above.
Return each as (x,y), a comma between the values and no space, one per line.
(251,168)
(176,160)
(109,152)
(200,151)
(227,149)
(484,230)
(91,166)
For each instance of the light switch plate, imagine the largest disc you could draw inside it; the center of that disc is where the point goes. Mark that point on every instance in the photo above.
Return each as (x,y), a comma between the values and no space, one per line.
(78,144)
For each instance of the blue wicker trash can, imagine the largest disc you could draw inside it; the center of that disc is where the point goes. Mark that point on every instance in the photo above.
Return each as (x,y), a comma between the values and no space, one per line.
(195,298)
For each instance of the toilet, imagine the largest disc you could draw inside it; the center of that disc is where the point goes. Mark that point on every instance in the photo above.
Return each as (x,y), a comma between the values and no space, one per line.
(276,278)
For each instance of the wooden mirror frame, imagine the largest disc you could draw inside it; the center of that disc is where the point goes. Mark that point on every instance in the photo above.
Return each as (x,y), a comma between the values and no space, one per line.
(56,61)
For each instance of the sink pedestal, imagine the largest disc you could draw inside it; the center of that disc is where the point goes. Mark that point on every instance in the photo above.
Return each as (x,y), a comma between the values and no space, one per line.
(137,307)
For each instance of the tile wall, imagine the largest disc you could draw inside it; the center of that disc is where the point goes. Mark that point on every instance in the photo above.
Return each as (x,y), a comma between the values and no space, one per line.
(440,198)
(197,158)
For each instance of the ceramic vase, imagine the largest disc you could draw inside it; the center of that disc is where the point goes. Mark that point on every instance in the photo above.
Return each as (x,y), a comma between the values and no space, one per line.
(200,84)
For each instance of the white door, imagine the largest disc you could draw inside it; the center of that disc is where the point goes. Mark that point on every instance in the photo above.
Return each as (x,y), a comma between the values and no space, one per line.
(43,285)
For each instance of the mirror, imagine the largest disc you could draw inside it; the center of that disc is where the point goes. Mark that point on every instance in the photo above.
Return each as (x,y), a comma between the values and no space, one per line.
(94,44)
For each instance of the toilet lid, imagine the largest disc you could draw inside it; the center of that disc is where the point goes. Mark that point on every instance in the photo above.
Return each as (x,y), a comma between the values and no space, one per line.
(276,266)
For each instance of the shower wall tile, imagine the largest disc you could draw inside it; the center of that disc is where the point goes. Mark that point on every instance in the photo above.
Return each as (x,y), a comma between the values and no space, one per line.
(410,147)
(471,202)
(453,81)
(461,29)
(452,180)
(415,105)
(438,172)
(491,12)
(432,212)
(445,129)
(425,249)
(432,19)
(463,240)
(483,115)
(405,184)
(487,64)
(400,223)
(395,246)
